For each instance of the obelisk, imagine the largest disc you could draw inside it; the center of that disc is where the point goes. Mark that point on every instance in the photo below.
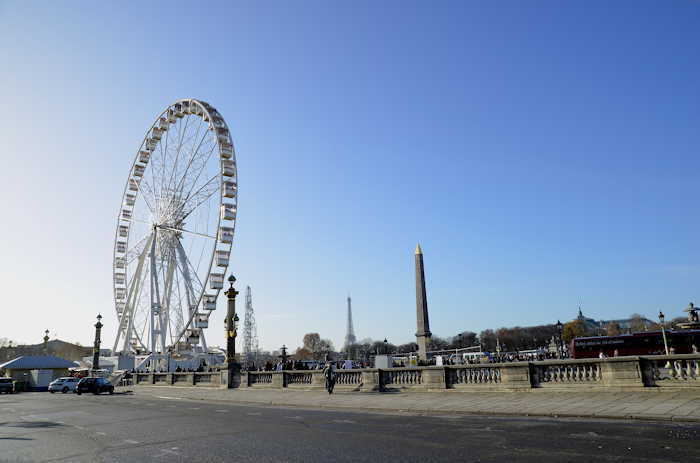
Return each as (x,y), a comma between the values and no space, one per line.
(422,325)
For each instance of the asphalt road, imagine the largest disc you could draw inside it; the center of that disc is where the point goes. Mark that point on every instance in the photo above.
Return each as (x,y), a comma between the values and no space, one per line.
(55,427)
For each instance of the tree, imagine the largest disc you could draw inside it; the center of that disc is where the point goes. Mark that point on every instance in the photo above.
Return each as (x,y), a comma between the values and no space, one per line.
(325,347)
(407,348)
(637,323)
(302,353)
(437,343)
(613,329)
(380,348)
(320,348)
(464,339)
(311,341)
(573,329)
(487,338)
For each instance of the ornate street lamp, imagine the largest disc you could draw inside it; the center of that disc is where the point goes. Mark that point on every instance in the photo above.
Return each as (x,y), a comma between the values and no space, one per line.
(386,348)
(560,330)
(231,319)
(663,333)
(46,342)
(96,346)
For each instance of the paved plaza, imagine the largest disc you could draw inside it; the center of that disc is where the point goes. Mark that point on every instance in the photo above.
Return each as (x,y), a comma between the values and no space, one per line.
(154,425)
(648,404)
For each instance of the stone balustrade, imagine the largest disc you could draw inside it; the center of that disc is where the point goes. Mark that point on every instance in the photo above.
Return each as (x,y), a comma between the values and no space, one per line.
(672,370)
(623,373)
(205,379)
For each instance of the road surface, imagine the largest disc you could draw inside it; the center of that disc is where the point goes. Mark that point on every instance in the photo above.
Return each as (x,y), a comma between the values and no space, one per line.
(38,427)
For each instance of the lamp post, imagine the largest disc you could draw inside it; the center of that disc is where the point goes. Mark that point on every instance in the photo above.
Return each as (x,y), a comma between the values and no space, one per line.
(663,330)
(386,346)
(46,342)
(96,346)
(663,333)
(231,319)
(560,330)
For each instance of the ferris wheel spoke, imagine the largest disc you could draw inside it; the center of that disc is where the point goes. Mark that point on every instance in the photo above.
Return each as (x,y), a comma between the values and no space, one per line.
(200,196)
(188,271)
(193,155)
(182,230)
(194,137)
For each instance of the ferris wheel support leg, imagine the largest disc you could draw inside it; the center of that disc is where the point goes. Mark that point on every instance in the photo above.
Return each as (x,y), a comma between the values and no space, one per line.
(165,324)
(189,290)
(129,307)
(203,341)
(155,294)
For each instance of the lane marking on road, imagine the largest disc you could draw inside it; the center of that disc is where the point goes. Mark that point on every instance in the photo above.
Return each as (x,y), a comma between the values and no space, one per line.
(101,433)
(345,421)
(169,398)
(166,452)
(254,414)
(194,408)
(294,417)
(131,441)
(221,411)
(78,427)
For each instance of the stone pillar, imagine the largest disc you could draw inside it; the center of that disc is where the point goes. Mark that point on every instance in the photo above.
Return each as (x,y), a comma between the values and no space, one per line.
(515,375)
(317,379)
(278,379)
(434,378)
(622,372)
(370,381)
(422,324)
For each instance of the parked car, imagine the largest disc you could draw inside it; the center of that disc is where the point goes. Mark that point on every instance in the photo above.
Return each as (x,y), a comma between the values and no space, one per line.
(7,385)
(65,384)
(94,385)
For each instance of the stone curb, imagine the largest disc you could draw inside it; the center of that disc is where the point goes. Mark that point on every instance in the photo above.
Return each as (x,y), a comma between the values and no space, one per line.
(423,411)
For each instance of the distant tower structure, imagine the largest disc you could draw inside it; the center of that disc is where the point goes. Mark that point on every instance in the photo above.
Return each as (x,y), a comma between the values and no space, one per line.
(250,333)
(350,332)
(422,325)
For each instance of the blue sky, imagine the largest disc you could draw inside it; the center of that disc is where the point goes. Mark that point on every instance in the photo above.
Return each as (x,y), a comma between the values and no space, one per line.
(544,154)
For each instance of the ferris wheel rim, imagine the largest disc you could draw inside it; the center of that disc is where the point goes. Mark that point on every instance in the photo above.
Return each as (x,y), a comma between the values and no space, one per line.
(208,114)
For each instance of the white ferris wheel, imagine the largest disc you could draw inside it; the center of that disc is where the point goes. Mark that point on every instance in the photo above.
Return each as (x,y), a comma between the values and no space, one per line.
(175,231)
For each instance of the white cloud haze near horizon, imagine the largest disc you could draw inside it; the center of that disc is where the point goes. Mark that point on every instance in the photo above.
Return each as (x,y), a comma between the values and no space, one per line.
(544,157)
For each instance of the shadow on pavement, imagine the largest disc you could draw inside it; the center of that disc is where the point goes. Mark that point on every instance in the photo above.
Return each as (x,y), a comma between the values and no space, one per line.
(16,438)
(31,424)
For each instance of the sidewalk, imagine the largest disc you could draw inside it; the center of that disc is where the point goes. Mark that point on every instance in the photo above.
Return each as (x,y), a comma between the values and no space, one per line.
(683,405)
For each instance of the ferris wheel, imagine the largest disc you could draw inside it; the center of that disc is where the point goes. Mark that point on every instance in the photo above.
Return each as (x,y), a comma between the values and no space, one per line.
(175,231)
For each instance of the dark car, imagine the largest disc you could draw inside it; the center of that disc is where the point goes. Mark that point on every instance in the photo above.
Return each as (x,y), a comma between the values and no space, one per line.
(94,385)
(7,385)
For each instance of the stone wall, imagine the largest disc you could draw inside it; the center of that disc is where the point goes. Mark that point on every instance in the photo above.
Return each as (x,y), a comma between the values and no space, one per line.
(623,373)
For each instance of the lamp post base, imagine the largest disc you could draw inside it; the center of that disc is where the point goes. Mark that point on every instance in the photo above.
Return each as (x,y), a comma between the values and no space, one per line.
(231,375)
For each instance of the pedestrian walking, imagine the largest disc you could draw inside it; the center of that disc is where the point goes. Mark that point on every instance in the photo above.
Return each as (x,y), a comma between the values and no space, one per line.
(329,377)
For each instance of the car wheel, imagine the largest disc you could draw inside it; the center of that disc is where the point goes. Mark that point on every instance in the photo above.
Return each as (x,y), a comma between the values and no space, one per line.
(52,392)
(111,391)
(64,390)
(78,392)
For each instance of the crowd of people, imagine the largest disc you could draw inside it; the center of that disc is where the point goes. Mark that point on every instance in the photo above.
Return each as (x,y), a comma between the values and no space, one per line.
(289,365)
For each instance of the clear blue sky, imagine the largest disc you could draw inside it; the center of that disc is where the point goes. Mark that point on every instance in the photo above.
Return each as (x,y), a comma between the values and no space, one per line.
(544,154)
